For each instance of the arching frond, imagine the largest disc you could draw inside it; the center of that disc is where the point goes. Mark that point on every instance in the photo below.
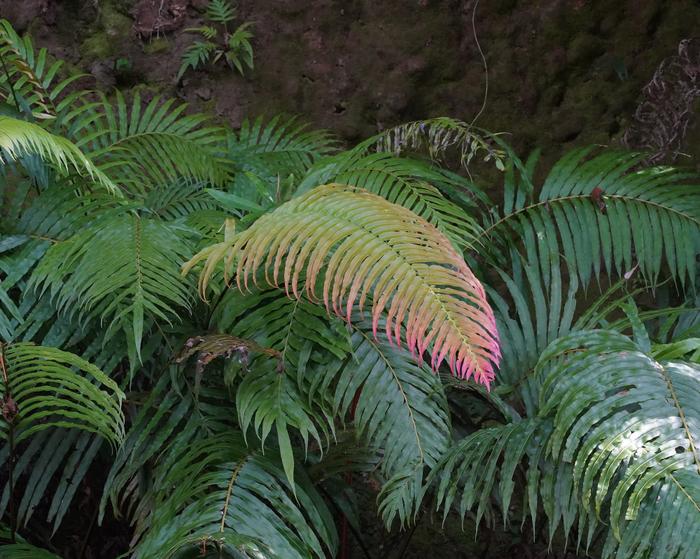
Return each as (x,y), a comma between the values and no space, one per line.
(437,135)
(29,80)
(604,215)
(19,138)
(614,444)
(282,144)
(406,182)
(49,469)
(399,407)
(25,551)
(482,467)
(142,147)
(218,488)
(44,387)
(632,440)
(381,251)
(124,270)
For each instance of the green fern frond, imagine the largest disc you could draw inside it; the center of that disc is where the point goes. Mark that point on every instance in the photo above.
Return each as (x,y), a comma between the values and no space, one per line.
(381,251)
(137,261)
(142,147)
(274,150)
(25,551)
(285,397)
(19,139)
(220,11)
(218,488)
(240,51)
(45,387)
(484,465)
(399,407)
(605,216)
(28,80)
(196,55)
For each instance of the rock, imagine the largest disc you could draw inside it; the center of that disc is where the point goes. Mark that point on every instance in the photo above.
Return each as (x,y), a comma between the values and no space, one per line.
(204,93)
(153,17)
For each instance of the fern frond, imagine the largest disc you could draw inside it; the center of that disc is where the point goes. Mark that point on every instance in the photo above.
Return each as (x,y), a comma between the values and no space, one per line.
(124,270)
(438,135)
(28,79)
(605,216)
(196,55)
(19,138)
(220,11)
(275,149)
(218,487)
(240,51)
(406,182)
(142,147)
(25,551)
(381,251)
(45,387)
(286,397)
(483,465)
(399,407)
(632,441)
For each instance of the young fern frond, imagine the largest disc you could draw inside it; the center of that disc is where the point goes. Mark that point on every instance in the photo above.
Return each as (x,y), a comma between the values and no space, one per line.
(19,139)
(240,51)
(196,55)
(220,11)
(406,182)
(381,252)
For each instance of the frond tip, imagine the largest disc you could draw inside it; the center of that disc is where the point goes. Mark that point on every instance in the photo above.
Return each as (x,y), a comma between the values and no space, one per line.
(358,246)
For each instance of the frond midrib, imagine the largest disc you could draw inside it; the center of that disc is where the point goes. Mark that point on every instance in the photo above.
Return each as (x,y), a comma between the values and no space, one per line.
(562,199)
(466,344)
(404,396)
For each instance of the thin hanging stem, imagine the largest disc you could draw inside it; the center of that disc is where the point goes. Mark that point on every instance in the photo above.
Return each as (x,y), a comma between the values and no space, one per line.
(9,81)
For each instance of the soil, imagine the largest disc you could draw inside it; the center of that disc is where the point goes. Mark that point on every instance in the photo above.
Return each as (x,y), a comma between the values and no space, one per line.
(560,72)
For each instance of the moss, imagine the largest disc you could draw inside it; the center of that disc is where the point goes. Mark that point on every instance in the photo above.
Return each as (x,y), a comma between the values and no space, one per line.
(584,49)
(97,46)
(115,24)
(112,31)
(156,45)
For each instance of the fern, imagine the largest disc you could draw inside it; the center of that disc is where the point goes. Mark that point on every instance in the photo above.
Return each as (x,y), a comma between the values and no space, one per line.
(142,147)
(235,48)
(220,11)
(605,217)
(196,55)
(420,272)
(19,139)
(139,260)
(399,407)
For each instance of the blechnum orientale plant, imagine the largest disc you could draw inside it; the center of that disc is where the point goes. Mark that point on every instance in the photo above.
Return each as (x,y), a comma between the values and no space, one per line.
(227,324)
(218,43)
